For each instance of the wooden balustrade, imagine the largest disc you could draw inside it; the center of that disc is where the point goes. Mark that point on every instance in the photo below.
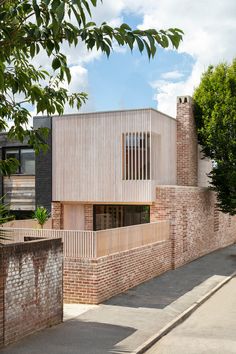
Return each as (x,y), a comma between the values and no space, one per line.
(94,244)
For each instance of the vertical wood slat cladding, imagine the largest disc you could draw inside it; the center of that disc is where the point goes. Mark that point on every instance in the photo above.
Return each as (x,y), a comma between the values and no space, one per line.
(88,157)
(74,216)
(164,149)
(20,192)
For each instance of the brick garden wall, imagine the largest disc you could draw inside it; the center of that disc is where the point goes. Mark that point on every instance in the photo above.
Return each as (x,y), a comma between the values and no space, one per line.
(31,288)
(1,305)
(95,280)
(197,227)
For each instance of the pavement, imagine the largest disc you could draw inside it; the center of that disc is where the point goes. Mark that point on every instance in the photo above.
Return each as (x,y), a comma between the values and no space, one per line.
(125,323)
(210,329)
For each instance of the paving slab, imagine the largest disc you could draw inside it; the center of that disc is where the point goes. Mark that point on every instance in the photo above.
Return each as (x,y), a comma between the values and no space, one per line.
(123,323)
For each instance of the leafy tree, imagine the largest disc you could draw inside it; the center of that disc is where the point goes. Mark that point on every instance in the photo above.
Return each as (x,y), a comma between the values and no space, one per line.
(41,215)
(215,112)
(29,27)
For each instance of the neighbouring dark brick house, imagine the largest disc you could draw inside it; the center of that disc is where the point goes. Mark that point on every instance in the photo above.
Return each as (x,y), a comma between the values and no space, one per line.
(31,186)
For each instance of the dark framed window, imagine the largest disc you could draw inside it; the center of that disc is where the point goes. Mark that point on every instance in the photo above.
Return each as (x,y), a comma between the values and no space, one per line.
(112,216)
(26,158)
(12,153)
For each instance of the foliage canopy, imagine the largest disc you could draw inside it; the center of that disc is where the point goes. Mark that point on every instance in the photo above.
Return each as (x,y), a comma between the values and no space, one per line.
(215,113)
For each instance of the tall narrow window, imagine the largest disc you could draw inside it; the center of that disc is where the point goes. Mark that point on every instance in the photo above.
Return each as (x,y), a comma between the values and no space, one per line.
(136,156)
(13,153)
(27,161)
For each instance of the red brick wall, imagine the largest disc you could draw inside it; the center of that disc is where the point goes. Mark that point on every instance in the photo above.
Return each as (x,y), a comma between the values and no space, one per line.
(93,281)
(187,150)
(32,287)
(196,227)
(88,217)
(1,300)
(57,215)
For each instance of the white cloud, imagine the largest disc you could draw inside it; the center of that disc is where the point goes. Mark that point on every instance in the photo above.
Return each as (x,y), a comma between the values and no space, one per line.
(209,27)
(172,75)
(79,83)
(209,38)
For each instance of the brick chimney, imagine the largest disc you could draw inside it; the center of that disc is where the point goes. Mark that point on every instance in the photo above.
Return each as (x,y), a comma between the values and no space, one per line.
(187,145)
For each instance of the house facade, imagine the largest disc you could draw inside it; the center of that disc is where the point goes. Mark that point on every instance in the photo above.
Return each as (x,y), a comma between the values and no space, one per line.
(107,165)
(101,169)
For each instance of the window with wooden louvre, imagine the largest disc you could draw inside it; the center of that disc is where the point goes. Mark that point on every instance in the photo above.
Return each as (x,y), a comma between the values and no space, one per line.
(136,155)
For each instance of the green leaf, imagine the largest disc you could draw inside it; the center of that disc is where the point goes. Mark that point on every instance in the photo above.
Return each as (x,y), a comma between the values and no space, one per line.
(87,7)
(68,74)
(125,27)
(147,49)
(56,63)
(36,9)
(90,24)
(140,44)
(32,50)
(60,11)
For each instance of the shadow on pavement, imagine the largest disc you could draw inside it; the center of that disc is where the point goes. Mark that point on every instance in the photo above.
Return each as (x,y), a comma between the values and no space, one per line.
(72,337)
(166,288)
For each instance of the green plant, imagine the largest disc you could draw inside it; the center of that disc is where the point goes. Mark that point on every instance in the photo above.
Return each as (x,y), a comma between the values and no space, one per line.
(4,217)
(215,114)
(41,215)
(4,212)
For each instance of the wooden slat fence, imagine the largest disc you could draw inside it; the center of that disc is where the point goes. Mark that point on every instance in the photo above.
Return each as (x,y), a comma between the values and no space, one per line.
(76,243)
(125,238)
(93,244)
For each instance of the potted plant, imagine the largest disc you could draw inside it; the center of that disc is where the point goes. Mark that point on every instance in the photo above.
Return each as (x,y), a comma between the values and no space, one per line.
(41,215)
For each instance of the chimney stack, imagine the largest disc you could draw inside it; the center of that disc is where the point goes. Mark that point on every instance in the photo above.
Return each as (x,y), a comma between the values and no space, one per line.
(187,144)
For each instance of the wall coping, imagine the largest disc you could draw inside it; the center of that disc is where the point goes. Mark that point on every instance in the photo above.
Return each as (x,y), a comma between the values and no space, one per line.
(175,186)
(30,246)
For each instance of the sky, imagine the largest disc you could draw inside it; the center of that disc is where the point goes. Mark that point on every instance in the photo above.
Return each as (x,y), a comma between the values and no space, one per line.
(129,80)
